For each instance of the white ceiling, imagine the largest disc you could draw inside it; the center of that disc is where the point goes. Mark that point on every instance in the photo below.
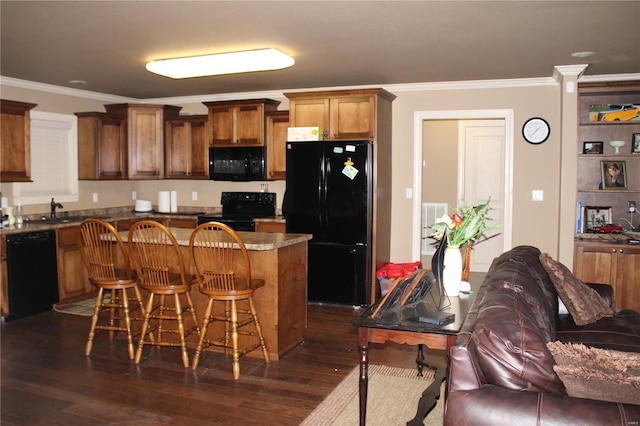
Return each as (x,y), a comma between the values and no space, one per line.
(334,43)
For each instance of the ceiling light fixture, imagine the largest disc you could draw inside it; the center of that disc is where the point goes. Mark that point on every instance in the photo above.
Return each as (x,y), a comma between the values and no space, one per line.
(222,63)
(582,54)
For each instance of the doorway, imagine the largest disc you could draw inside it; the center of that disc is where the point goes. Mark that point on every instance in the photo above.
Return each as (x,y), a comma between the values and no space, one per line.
(482,166)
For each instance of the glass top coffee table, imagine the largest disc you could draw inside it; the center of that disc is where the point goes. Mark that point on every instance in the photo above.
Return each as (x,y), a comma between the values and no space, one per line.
(439,337)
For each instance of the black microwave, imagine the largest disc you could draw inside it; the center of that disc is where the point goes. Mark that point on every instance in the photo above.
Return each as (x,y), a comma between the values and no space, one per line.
(237,163)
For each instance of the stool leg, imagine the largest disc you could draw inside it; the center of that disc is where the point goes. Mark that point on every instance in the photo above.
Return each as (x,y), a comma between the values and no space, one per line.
(254,314)
(145,326)
(127,321)
(183,344)
(203,333)
(194,317)
(94,322)
(234,339)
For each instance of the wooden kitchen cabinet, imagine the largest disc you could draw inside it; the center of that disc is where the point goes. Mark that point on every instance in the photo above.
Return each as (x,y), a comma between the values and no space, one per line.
(343,114)
(615,264)
(186,147)
(238,123)
(278,227)
(102,146)
(276,140)
(145,137)
(15,142)
(179,222)
(73,280)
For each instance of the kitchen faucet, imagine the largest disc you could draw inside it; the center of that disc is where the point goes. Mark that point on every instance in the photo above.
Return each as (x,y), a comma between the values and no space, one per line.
(53,208)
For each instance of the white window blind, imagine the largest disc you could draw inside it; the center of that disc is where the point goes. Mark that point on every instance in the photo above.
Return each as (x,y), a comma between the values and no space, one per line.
(430,212)
(54,160)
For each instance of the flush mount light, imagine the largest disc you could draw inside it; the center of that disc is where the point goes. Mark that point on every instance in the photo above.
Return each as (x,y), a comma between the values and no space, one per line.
(582,54)
(222,63)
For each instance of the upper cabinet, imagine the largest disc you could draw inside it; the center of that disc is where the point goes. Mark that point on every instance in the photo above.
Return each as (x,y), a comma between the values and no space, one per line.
(15,145)
(343,114)
(277,126)
(145,137)
(239,123)
(187,148)
(102,146)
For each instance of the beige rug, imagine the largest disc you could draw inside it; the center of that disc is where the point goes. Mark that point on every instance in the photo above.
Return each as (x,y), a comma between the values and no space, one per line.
(83,308)
(393,396)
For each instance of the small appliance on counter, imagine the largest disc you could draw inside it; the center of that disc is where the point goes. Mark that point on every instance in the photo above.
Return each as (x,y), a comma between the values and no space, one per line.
(143,206)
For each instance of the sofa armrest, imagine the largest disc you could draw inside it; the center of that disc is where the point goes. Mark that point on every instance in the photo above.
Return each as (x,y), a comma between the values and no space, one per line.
(494,405)
(605,291)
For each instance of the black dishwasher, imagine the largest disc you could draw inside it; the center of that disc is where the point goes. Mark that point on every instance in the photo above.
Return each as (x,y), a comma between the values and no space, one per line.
(32,273)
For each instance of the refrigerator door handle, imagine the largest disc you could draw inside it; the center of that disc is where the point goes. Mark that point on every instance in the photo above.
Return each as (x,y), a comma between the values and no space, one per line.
(325,191)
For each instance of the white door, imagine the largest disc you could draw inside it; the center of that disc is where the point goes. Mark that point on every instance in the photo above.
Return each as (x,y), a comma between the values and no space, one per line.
(482,175)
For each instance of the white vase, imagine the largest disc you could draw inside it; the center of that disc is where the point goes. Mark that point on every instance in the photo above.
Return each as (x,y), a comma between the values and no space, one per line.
(452,273)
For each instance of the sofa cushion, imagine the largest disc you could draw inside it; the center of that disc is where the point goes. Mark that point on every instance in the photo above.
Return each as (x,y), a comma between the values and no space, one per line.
(510,347)
(593,373)
(584,304)
(620,332)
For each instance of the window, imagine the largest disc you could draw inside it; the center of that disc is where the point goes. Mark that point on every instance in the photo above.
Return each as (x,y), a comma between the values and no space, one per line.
(54,160)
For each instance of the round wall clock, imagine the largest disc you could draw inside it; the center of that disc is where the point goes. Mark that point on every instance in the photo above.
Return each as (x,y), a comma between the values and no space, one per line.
(536,130)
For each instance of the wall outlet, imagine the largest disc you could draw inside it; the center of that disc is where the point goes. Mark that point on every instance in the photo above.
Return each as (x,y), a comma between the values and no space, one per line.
(95,197)
(537,195)
(134,195)
(194,196)
(631,207)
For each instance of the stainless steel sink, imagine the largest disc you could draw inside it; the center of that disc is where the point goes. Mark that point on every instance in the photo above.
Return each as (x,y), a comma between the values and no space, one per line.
(69,219)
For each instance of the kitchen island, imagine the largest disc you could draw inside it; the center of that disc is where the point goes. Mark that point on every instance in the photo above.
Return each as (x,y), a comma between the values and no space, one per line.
(279,259)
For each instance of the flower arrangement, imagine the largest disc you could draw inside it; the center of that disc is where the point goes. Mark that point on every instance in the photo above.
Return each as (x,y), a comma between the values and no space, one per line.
(466,224)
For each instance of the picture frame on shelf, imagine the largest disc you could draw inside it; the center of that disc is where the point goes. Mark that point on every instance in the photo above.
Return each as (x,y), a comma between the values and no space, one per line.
(613,174)
(593,147)
(635,143)
(596,216)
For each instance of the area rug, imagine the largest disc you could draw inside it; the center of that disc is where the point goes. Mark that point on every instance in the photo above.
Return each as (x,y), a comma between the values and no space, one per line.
(83,307)
(393,396)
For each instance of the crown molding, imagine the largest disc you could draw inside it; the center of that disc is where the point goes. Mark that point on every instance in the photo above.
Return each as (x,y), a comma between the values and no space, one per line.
(608,77)
(561,71)
(394,88)
(68,91)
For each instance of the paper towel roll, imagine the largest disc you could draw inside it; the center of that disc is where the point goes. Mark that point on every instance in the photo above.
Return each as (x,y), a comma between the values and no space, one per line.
(174,201)
(164,201)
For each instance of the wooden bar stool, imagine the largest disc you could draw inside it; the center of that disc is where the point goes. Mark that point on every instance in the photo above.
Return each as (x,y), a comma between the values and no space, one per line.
(107,262)
(212,247)
(156,256)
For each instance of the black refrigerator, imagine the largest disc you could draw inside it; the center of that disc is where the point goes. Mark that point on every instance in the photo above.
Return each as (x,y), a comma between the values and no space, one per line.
(329,193)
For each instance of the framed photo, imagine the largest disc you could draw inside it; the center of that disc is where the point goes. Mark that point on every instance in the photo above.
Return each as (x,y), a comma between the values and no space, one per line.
(614,175)
(593,147)
(635,143)
(596,216)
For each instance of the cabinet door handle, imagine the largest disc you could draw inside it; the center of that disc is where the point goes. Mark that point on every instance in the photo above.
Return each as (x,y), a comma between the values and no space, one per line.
(621,251)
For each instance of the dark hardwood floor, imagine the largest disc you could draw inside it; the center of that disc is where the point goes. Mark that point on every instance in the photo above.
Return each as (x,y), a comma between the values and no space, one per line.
(47,380)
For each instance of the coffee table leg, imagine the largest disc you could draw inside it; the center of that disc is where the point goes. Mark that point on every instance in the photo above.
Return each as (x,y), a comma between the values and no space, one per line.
(420,359)
(364,381)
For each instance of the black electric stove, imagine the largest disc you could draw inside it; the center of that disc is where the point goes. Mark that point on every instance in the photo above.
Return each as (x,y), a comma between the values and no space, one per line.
(240,208)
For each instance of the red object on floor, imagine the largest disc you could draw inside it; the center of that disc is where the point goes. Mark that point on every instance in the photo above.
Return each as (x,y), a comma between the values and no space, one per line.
(397,270)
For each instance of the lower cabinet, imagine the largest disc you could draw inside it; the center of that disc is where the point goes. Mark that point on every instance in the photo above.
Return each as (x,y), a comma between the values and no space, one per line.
(614,264)
(73,280)
(279,227)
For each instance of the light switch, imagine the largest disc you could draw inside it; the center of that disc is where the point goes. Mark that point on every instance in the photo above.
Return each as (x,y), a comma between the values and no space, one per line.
(537,195)
(408,193)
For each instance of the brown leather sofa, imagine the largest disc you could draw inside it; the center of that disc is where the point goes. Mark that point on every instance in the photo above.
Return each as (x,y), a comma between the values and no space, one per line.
(501,372)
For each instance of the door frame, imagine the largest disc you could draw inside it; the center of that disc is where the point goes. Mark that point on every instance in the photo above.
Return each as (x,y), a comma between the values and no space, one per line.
(418,118)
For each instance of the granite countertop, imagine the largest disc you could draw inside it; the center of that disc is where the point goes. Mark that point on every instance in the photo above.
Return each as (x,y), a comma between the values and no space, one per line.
(595,237)
(252,240)
(111,215)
